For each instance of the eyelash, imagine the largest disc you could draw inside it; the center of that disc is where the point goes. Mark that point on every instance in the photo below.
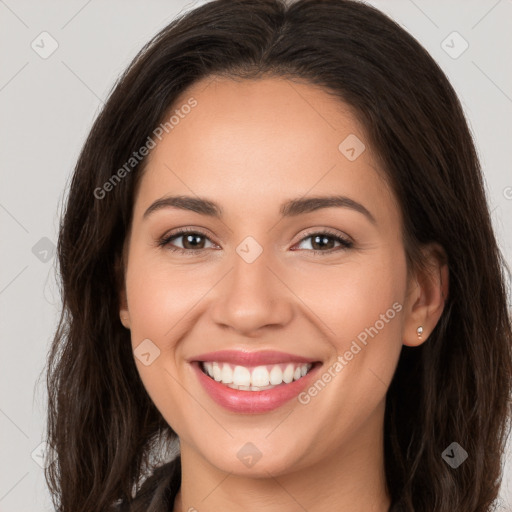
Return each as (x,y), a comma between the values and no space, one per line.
(166,240)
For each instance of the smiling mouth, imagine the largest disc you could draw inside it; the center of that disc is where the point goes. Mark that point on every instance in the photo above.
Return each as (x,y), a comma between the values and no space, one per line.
(255,378)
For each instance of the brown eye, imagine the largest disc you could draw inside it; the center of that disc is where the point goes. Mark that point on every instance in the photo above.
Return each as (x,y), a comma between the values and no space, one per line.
(324,242)
(192,241)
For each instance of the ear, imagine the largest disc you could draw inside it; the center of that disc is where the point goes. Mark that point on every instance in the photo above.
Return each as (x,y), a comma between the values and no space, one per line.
(427,293)
(124,313)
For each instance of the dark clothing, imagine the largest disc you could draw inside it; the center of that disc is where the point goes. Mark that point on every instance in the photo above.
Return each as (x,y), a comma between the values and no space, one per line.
(158,492)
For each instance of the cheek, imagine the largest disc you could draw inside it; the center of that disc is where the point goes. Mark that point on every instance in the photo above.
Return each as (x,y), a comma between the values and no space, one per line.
(158,303)
(361,307)
(159,295)
(352,297)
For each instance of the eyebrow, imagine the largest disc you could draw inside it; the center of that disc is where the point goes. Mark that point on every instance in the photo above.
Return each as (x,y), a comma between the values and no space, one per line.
(291,208)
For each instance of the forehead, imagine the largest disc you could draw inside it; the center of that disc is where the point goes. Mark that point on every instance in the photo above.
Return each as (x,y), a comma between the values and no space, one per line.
(250,143)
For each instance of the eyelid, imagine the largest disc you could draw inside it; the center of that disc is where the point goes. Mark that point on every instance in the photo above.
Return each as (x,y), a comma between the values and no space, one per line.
(179,232)
(343,239)
(334,233)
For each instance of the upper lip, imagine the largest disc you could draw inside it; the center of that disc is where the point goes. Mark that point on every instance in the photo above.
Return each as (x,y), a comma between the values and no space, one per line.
(245,358)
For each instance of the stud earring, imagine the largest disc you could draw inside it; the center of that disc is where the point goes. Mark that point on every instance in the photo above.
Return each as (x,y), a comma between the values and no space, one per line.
(419,330)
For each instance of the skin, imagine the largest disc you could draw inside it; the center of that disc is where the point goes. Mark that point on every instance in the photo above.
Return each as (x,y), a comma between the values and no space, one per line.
(250,145)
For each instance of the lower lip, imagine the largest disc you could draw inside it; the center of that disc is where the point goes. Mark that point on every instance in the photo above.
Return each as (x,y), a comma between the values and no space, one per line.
(251,402)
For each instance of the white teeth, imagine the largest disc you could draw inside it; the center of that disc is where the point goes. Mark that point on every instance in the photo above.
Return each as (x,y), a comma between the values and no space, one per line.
(241,376)
(260,376)
(276,376)
(261,388)
(256,379)
(288,374)
(217,373)
(209,369)
(227,374)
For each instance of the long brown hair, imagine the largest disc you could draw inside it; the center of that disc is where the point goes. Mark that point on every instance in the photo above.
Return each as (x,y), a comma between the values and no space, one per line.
(102,426)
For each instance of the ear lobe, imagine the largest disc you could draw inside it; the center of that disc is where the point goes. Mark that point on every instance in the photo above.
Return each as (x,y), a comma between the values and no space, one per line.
(124,314)
(426,301)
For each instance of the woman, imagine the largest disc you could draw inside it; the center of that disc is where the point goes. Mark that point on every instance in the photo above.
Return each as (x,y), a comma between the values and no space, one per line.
(277,250)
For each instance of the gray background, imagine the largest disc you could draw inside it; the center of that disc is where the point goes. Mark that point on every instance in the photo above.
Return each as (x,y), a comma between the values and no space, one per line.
(47,107)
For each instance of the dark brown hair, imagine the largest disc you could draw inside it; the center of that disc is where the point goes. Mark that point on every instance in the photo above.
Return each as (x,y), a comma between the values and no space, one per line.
(103,427)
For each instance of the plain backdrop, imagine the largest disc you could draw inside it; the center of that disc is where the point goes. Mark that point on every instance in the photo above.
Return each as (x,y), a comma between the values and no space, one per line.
(48,102)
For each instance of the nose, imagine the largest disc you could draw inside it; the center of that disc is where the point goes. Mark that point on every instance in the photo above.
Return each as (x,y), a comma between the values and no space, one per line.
(252,297)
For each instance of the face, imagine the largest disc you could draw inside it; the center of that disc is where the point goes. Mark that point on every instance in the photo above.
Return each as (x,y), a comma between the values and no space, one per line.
(282,287)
